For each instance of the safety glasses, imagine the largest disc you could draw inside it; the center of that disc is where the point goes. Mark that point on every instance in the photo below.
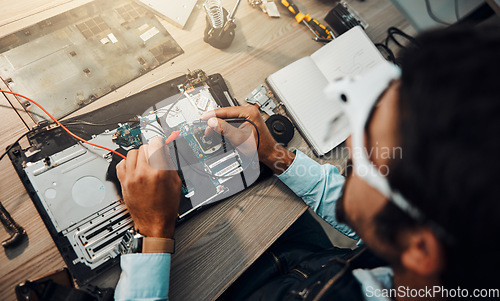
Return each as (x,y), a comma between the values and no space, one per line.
(358,96)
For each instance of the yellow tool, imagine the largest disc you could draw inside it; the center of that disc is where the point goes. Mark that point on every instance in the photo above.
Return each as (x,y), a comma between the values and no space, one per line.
(319,30)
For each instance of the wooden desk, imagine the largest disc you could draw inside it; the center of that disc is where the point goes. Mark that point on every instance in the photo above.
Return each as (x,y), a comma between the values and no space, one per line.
(216,246)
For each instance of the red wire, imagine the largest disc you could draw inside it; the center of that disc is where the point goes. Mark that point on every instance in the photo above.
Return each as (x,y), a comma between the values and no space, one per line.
(61,125)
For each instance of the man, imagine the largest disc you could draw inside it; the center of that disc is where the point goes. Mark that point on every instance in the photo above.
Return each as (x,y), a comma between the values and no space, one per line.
(431,212)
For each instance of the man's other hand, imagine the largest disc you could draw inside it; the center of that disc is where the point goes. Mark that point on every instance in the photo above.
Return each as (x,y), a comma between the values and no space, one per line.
(270,152)
(151,189)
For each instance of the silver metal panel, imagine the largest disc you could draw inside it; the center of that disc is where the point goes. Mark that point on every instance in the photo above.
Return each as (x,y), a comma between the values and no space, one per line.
(72,186)
(94,240)
(74,58)
(81,204)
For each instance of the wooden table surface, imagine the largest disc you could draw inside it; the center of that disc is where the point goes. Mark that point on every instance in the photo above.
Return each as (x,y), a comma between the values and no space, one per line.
(216,246)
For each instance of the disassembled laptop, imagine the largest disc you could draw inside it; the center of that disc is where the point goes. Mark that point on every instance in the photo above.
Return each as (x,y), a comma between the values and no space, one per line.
(70,183)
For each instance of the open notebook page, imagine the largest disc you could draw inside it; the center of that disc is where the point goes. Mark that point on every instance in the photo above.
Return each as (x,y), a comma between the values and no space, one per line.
(351,53)
(300,87)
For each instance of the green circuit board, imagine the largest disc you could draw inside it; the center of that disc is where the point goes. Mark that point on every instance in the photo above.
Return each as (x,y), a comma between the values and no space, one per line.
(128,135)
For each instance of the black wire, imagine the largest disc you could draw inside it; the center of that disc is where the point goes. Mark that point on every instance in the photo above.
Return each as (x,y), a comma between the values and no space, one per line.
(22,110)
(71,121)
(432,15)
(390,54)
(19,115)
(12,145)
(241,119)
(179,169)
(392,32)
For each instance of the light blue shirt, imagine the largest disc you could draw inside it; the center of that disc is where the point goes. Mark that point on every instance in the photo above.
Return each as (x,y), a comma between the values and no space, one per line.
(319,186)
(146,276)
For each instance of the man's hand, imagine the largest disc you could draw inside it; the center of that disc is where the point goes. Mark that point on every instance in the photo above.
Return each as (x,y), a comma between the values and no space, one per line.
(271,153)
(151,189)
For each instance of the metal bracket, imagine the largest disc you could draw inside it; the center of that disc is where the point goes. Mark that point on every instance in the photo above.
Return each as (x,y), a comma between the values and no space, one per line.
(263,99)
(267,6)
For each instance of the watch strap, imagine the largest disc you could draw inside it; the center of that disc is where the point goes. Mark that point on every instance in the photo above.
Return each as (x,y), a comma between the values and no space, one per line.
(158,245)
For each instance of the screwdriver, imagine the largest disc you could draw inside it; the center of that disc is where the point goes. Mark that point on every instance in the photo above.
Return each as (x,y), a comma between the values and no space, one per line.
(319,30)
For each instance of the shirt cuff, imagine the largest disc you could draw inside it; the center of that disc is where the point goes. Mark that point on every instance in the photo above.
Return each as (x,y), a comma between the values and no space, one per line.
(144,277)
(303,174)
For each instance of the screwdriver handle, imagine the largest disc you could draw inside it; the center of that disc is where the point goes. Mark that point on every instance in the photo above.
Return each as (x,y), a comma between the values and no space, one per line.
(320,29)
(293,9)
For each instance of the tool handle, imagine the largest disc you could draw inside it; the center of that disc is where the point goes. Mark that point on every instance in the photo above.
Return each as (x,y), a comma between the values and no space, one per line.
(8,221)
(17,232)
(292,8)
(320,29)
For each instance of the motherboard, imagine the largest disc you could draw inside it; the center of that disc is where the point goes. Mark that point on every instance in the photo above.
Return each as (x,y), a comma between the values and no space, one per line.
(217,160)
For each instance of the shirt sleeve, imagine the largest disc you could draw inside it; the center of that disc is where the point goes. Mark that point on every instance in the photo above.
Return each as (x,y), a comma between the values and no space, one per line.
(319,186)
(144,277)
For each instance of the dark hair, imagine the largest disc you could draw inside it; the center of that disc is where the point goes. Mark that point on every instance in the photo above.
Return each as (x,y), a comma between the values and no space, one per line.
(449,130)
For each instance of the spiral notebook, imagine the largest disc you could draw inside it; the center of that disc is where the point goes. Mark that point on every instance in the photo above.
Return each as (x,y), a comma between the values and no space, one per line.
(299,87)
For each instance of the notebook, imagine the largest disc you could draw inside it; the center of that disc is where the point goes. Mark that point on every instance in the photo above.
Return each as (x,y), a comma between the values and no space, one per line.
(299,87)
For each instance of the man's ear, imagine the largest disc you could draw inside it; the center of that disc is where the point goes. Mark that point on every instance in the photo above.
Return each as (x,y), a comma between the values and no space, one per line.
(424,253)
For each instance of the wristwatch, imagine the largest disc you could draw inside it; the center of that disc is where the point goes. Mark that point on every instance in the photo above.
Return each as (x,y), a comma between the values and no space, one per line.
(134,242)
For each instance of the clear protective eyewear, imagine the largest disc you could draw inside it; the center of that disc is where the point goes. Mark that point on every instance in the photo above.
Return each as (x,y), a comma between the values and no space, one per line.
(357,96)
